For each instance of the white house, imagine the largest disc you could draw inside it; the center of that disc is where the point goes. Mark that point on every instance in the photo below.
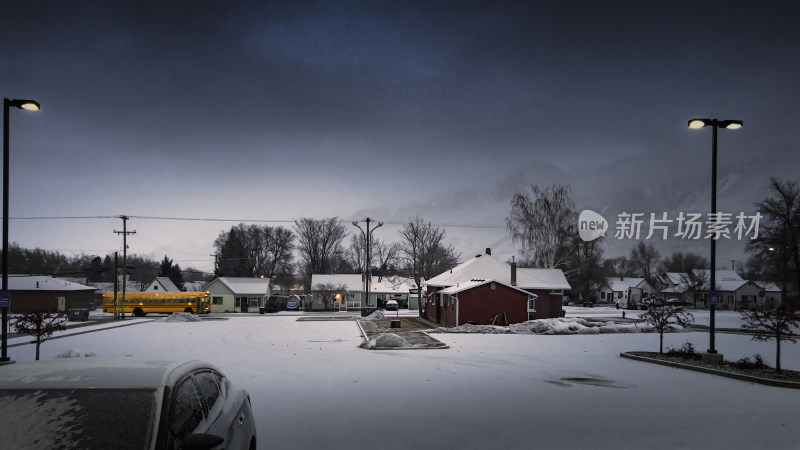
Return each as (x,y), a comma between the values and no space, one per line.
(623,290)
(235,294)
(352,286)
(161,284)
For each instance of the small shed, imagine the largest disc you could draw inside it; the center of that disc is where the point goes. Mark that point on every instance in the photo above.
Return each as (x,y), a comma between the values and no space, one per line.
(32,293)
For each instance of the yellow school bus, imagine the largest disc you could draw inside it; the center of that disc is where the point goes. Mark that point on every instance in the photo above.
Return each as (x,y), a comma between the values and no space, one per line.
(141,303)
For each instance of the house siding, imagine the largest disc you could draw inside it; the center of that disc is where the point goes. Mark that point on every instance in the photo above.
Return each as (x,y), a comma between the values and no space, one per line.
(481,304)
(47,301)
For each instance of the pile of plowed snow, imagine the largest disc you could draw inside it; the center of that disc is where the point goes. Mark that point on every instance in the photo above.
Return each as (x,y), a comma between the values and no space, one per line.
(181,317)
(555,326)
(388,340)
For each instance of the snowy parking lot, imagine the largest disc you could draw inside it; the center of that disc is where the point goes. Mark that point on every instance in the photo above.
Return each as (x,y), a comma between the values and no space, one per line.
(313,388)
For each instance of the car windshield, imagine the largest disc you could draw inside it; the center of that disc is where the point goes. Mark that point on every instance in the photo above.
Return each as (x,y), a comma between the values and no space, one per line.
(77,418)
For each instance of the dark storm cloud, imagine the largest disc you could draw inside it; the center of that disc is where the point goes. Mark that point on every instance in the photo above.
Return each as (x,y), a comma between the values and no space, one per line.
(445,106)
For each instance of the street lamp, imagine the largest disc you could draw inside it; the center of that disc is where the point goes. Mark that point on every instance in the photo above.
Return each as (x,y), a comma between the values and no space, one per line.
(713,296)
(368,259)
(5,296)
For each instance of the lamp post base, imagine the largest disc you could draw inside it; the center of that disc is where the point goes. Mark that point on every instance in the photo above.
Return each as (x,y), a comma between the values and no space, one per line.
(4,362)
(712,358)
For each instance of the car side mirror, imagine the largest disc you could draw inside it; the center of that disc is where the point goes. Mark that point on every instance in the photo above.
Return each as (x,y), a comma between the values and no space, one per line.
(200,442)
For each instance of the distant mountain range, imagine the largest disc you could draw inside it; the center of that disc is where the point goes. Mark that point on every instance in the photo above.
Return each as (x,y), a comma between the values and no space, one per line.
(643,183)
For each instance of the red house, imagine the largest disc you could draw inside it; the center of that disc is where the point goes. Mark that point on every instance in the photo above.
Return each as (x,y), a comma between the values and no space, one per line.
(484,289)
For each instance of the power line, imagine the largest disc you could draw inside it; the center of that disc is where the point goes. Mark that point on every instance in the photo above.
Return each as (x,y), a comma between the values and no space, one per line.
(217,219)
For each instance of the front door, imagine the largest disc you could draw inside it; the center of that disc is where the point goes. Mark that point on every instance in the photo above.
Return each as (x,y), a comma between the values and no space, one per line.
(244,301)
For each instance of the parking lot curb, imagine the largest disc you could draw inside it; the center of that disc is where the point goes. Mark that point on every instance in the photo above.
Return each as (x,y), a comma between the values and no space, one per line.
(712,371)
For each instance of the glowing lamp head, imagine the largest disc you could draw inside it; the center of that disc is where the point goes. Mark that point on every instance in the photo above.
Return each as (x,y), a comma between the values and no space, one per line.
(697,123)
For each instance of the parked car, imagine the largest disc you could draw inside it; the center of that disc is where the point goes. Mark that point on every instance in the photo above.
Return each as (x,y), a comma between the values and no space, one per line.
(391,305)
(292,305)
(94,403)
(676,303)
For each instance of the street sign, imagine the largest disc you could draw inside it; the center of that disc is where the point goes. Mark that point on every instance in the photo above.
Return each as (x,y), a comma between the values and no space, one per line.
(5,299)
(713,298)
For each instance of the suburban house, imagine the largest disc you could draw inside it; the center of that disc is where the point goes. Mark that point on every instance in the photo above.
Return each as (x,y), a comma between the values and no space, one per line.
(676,285)
(623,292)
(161,284)
(238,294)
(31,293)
(734,291)
(770,294)
(352,291)
(485,290)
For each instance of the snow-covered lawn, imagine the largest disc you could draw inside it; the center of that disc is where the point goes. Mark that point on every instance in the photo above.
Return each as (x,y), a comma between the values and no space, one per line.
(313,388)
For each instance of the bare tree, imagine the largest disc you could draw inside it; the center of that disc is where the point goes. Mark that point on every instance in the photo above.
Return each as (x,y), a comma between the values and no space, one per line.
(356,254)
(779,235)
(583,267)
(645,259)
(618,267)
(543,225)
(253,250)
(327,292)
(773,323)
(663,317)
(319,243)
(40,325)
(387,257)
(426,256)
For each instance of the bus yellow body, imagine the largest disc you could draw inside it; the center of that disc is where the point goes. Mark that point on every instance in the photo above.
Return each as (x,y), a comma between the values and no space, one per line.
(141,303)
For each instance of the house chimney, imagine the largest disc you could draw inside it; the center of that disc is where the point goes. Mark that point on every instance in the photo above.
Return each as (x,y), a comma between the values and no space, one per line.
(513,273)
(488,251)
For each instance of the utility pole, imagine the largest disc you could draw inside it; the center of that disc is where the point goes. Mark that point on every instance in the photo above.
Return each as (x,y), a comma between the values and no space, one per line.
(119,306)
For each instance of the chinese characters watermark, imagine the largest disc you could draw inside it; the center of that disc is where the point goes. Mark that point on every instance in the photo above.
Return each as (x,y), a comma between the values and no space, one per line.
(719,225)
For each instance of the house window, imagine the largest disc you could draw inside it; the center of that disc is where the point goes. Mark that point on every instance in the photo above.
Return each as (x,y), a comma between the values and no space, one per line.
(238,302)
(531,304)
(603,295)
(155,287)
(556,291)
(216,300)
(493,286)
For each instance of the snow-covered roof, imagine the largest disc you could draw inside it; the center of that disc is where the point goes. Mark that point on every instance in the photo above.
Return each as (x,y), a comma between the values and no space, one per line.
(195,286)
(675,278)
(618,284)
(719,275)
(487,267)
(166,285)
(244,285)
(467,285)
(44,283)
(768,286)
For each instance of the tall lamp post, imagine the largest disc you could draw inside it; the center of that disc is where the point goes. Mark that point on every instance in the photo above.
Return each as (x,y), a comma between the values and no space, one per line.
(713,295)
(368,258)
(5,295)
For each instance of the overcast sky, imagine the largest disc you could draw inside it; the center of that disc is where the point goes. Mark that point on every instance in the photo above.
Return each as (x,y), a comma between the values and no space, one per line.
(273,111)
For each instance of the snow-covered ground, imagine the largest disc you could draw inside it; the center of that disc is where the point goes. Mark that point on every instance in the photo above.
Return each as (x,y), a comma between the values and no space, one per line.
(313,388)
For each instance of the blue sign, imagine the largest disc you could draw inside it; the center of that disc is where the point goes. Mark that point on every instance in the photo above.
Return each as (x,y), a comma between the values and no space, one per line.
(5,299)
(713,298)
